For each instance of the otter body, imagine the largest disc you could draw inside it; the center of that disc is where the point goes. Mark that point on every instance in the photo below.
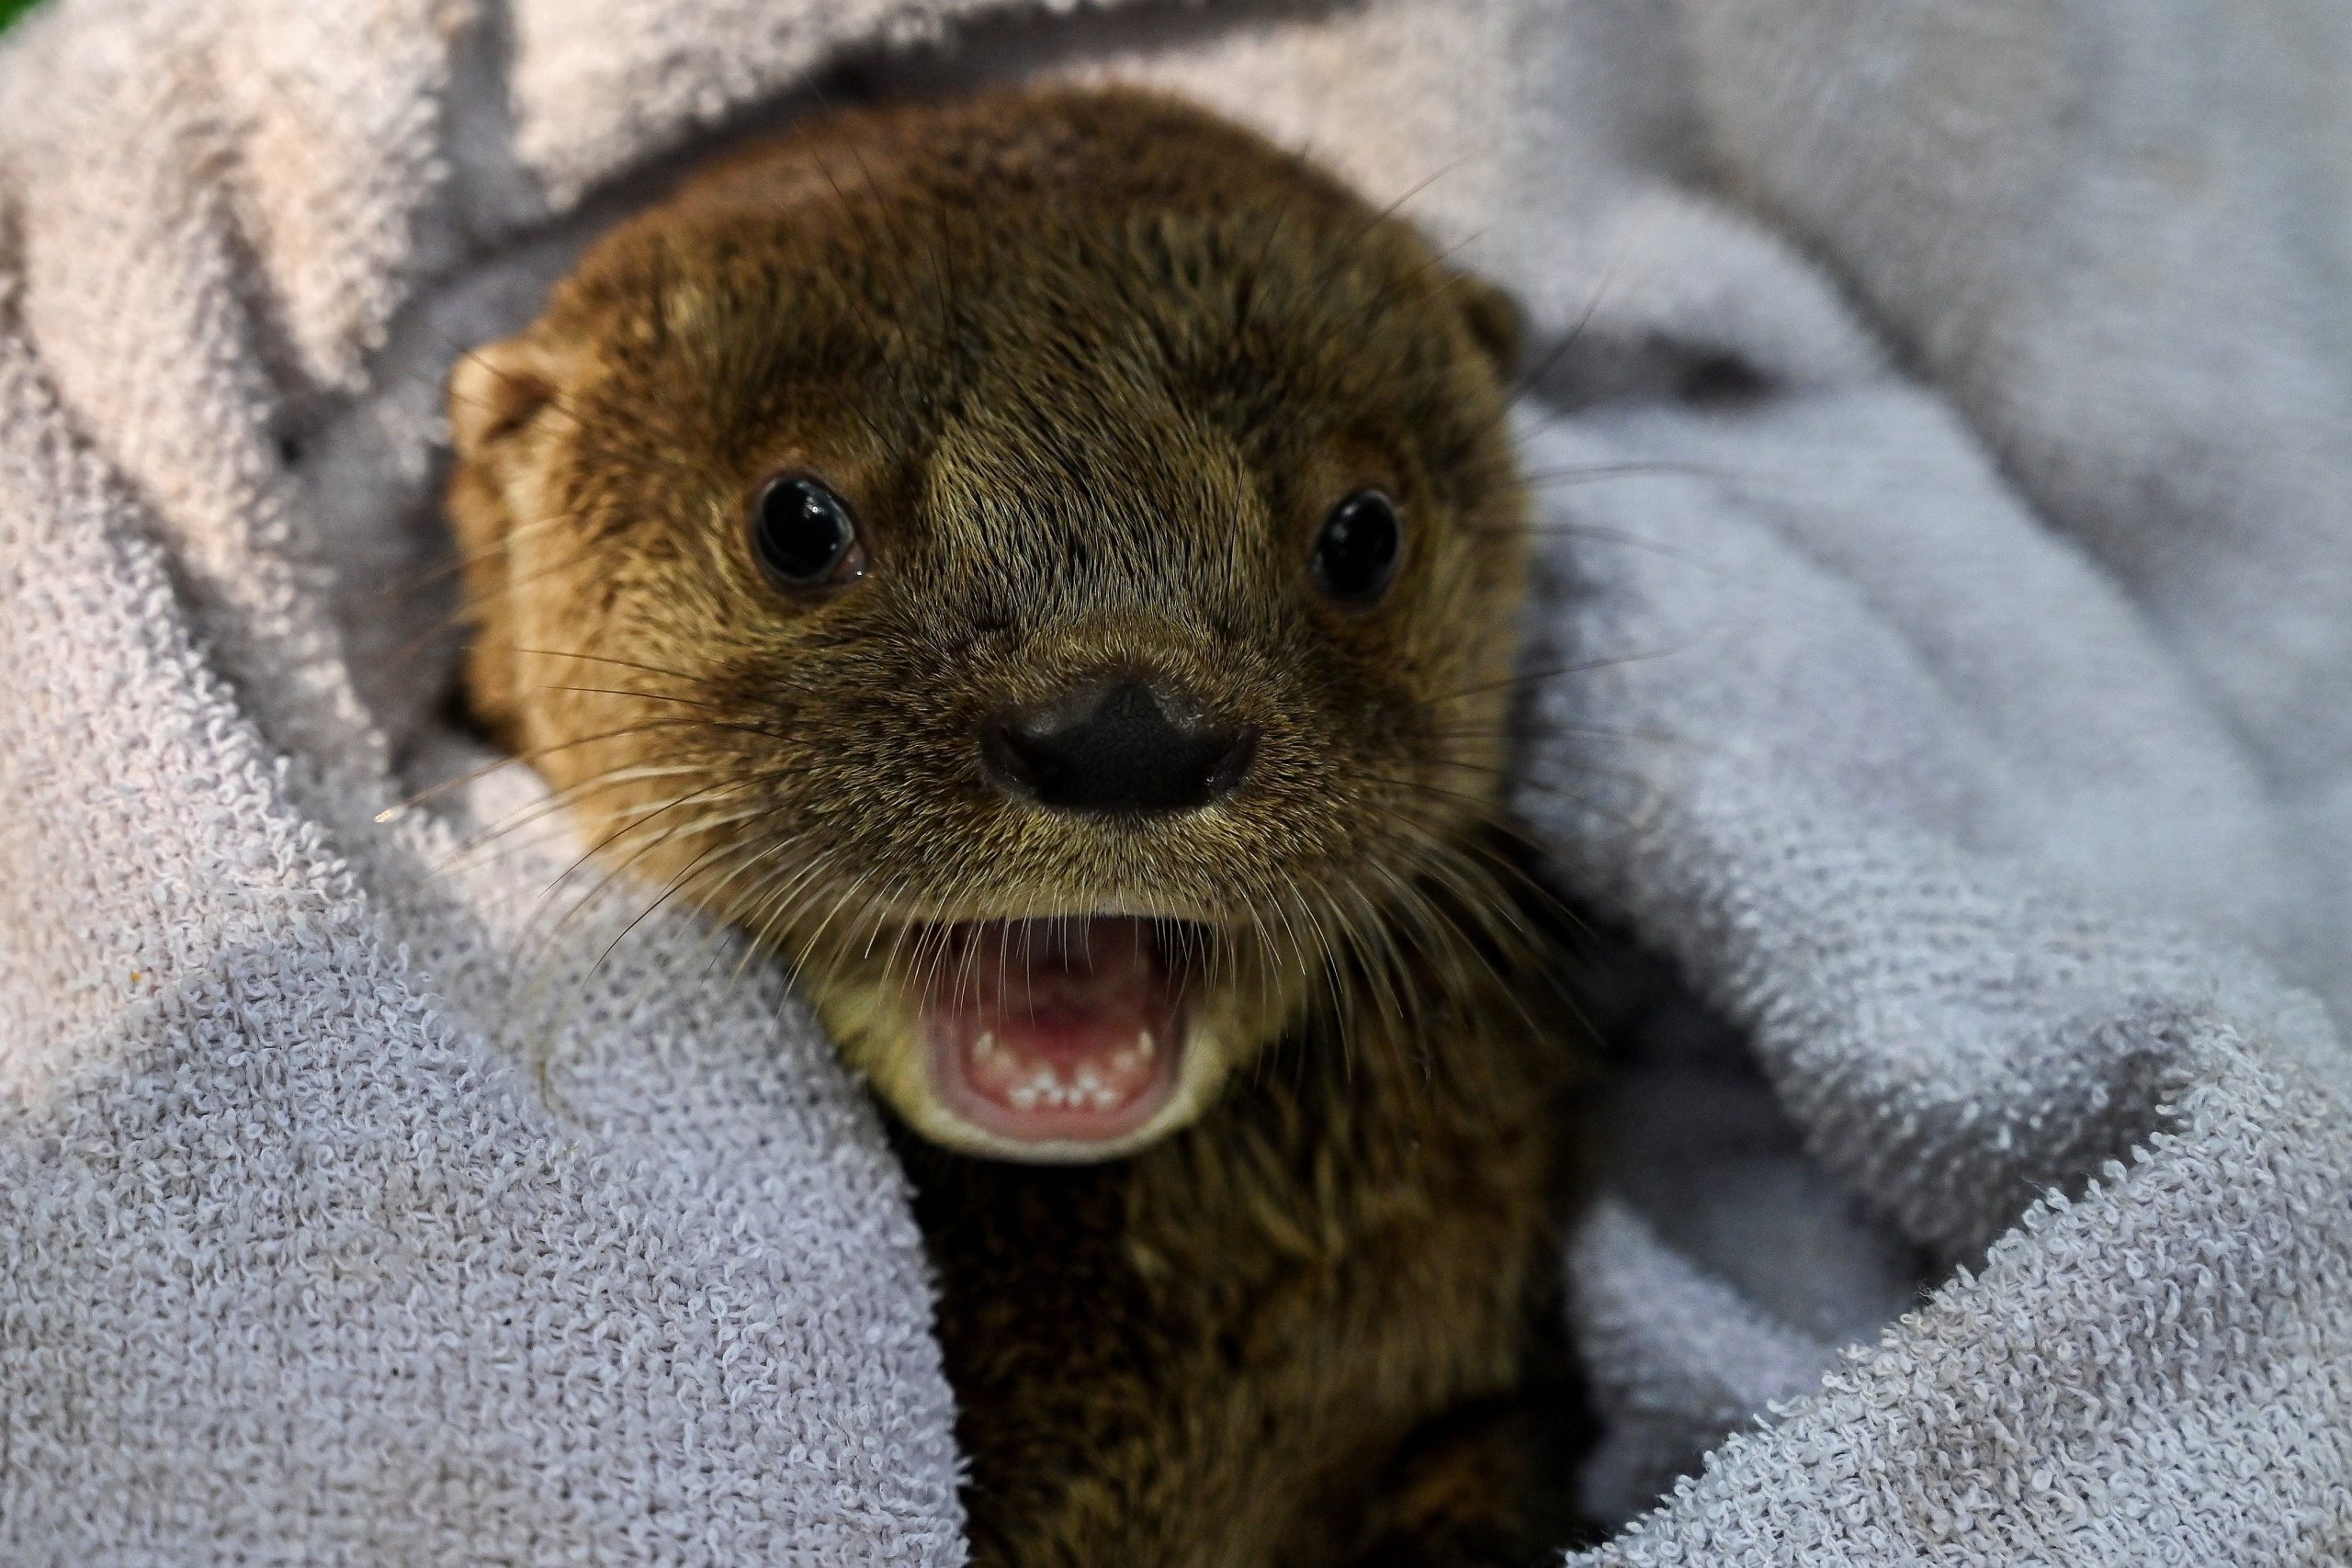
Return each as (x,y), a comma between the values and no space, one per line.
(1047,566)
(1230,1349)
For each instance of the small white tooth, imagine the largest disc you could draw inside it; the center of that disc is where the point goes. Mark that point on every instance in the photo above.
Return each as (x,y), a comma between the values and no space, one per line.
(1122,1060)
(1089,1080)
(1145,1044)
(1023,1098)
(1058,1096)
(1104,1100)
(985,1047)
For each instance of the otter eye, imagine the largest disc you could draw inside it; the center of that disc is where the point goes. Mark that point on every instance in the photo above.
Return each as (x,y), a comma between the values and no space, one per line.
(1356,553)
(802,533)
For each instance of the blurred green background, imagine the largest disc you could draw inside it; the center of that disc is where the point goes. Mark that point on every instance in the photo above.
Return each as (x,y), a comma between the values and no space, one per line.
(11,9)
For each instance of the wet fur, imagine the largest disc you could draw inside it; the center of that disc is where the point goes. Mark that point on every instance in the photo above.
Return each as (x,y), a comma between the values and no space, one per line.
(1091,367)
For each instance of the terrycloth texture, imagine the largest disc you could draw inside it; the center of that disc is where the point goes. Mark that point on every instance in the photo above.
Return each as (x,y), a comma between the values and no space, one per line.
(1962,741)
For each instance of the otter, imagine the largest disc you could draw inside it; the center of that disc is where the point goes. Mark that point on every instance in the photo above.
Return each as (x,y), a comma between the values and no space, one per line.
(1047,566)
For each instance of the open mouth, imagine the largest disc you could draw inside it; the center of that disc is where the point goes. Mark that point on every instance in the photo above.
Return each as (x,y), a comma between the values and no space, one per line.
(1068,1030)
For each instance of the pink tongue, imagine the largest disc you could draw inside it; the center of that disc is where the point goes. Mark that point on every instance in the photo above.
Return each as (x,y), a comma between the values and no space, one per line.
(1057,1029)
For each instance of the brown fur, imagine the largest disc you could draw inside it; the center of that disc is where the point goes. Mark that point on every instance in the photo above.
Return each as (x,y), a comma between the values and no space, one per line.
(1091,368)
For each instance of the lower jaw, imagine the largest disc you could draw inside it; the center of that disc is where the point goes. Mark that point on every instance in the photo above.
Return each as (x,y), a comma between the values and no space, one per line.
(1055,1041)
(1048,1134)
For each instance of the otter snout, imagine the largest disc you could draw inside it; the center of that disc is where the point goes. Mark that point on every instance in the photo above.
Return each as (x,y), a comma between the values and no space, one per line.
(1117,747)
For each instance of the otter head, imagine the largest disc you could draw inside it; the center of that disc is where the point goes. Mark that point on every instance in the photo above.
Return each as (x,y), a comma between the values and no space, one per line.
(1046,564)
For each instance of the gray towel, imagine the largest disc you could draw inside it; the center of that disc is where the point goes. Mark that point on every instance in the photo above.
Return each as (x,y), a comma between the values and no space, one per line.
(1944,444)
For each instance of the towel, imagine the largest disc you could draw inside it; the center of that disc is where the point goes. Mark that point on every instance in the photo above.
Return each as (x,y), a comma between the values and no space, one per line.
(1940,419)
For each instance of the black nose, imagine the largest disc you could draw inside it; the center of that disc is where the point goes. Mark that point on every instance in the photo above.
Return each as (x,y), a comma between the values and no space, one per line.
(1121,746)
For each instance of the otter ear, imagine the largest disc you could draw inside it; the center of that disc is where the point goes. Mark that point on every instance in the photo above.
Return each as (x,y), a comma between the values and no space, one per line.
(1495,322)
(496,391)
(495,394)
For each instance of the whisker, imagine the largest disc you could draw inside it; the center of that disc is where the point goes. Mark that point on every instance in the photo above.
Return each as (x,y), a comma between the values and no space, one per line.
(597,659)
(1588,472)
(475,775)
(1581,667)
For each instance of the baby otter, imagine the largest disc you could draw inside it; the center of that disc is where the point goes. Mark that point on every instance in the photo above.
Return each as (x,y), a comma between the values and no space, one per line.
(1046,565)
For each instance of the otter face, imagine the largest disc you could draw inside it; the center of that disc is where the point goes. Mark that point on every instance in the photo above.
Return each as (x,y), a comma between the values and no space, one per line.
(1047,565)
